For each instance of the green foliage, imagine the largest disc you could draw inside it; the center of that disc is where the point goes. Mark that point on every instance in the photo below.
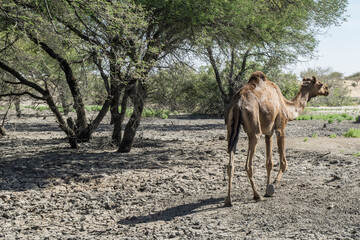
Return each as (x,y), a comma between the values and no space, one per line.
(306,139)
(333,136)
(304,117)
(151,112)
(183,89)
(358,119)
(287,82)
(94,90)
(331,117)
(357,154)
(315,135)
(313,109)
(355,76)
(45,108)
(38,108)
(353,133)
(161,113)
(93,108)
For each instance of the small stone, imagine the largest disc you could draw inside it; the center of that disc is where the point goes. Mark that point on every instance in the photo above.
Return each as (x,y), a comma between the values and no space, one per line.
(331,206)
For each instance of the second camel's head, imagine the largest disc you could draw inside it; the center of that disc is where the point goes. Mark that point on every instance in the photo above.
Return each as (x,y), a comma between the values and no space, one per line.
(315,87)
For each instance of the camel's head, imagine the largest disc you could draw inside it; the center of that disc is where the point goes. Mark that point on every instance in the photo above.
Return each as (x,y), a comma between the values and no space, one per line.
(315,87)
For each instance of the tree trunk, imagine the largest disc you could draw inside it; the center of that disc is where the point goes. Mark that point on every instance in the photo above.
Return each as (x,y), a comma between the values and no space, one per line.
(17,106)
(115,92)
(137,96)
(69,131)
(85,134)
(115,120)
(66,107)
(2,131)
(72,82)
(224,95)
(119,119)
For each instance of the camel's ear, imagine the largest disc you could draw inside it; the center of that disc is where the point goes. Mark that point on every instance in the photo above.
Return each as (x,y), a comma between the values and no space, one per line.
(314,79)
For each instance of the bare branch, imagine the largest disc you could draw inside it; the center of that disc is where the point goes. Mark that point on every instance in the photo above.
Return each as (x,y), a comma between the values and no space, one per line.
(21,94)
(103,74)
(243,64)
(47,8)
(84,37)
(9,45)
(14,83)
(216,71)
(22,79)
(84,59)
(2,129)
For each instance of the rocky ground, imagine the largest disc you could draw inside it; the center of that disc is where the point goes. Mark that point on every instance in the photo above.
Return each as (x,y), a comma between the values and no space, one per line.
(173,183)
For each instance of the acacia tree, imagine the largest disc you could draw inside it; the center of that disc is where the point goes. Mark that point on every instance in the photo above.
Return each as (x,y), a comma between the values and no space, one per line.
(32,51)
(131,37)
(263,35)
(127,39)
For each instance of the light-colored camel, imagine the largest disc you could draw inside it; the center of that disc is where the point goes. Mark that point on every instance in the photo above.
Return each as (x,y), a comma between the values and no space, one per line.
(261,109)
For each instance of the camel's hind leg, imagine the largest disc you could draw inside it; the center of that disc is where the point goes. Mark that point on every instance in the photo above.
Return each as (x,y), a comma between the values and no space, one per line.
(230,173)
(269,166)
(283,162)
(249,167)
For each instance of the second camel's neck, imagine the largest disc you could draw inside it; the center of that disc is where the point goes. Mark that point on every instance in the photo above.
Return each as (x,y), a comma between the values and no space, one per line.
(297,105)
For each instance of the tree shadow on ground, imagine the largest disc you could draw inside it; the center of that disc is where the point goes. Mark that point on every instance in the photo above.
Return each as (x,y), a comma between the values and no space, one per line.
(39,163)
(173,212)
(32,127)
(187,127)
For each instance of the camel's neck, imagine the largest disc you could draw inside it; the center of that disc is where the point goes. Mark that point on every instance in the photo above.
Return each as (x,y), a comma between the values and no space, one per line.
(297,105)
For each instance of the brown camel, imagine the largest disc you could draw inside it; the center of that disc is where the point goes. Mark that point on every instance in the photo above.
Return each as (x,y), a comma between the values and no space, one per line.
(261,109)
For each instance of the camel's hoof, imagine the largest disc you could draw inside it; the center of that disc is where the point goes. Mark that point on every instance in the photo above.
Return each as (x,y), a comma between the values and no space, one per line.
(228,204)
(270,190)
(258,198)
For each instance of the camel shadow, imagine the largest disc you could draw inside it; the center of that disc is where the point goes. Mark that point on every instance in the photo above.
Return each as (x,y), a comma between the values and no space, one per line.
(173,212)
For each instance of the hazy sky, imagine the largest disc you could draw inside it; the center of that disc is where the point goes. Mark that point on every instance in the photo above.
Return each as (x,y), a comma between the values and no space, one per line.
(339,48)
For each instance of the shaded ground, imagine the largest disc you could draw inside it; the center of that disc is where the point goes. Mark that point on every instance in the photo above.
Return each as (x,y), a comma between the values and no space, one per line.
(172,185)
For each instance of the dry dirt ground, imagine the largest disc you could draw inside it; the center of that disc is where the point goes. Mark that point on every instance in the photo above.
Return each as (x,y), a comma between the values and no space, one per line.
(173,183)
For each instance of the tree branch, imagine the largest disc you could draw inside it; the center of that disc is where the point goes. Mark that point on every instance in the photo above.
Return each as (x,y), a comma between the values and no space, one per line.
(243,64)
(10,82)
(23,80)
(83,23)
(103,74)
(85,58)
(9,45)
(216,71)
(21,94)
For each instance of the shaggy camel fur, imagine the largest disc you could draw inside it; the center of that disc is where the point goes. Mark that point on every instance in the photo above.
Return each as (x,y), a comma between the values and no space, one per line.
(261,109)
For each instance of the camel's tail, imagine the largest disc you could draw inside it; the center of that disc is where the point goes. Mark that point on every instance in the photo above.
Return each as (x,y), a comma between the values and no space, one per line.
(233,126)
